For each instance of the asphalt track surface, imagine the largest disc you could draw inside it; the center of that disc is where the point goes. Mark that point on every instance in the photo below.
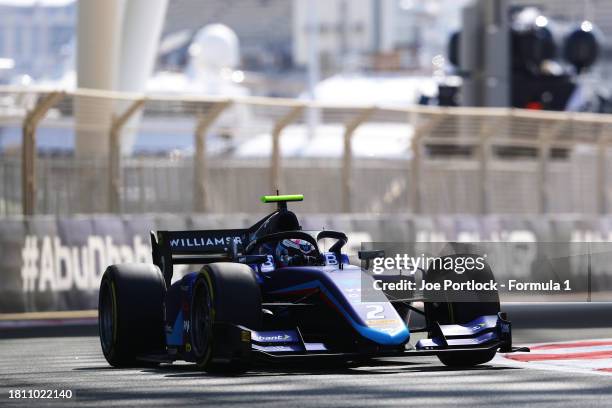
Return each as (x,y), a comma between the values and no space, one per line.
(76,363)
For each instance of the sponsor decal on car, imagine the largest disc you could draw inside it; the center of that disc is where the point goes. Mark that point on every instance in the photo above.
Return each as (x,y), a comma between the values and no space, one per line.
(203,241)
(274,337)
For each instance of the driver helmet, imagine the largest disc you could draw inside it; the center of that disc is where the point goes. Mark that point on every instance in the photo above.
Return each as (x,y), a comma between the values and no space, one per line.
(293,252)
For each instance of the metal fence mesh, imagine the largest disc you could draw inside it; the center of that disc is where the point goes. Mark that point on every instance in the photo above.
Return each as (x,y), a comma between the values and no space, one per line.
(62,152)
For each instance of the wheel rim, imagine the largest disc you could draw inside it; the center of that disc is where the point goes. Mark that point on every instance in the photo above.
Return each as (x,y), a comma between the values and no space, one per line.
(106,317)
(202,319)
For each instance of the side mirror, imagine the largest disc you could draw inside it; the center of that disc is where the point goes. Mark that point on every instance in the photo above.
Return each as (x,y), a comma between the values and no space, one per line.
(254,259)
(367,256)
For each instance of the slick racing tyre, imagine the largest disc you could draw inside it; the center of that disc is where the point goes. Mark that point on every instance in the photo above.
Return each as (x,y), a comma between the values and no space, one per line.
(473,305)
(223,293)
(130,313)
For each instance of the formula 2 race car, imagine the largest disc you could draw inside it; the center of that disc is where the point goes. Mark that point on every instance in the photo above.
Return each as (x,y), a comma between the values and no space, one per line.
(268,293)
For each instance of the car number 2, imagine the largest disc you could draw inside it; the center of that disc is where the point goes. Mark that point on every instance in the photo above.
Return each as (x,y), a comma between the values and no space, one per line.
(375,312)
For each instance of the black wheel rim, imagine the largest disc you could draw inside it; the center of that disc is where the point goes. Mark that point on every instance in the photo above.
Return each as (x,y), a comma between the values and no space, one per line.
(106,316)
(202,318)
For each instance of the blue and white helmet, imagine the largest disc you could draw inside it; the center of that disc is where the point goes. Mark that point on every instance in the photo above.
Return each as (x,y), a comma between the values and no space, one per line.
(293,252)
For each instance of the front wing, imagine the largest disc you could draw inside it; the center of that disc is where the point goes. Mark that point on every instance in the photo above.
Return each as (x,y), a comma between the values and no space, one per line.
(483,334)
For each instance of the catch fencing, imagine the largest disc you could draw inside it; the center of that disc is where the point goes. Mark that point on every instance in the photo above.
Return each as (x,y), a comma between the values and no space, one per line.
(68,152)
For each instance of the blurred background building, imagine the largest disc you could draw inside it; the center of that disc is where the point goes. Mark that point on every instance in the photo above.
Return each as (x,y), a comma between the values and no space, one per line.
(395,37)
(36,39)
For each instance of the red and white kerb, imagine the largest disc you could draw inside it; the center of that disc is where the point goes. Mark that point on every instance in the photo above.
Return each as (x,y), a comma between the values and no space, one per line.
(588,356)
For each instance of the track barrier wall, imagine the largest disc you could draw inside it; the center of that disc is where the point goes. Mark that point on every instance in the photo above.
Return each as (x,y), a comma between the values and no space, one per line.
(55,263)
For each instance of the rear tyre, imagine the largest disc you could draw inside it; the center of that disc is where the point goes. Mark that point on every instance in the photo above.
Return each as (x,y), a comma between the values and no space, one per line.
(130,313)
(462,312)
(223,293)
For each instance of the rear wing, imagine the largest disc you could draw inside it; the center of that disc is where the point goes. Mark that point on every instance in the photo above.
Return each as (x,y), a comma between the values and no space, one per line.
(171,248)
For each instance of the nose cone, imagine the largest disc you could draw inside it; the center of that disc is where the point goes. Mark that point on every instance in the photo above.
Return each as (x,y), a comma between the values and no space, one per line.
(394,335)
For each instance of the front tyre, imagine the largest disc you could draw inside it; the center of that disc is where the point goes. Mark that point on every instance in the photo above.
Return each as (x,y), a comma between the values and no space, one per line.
(223,294)
(130,313)
(473,305)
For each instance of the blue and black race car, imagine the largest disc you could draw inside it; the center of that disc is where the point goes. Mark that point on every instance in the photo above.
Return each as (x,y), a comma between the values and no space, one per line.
(268,294)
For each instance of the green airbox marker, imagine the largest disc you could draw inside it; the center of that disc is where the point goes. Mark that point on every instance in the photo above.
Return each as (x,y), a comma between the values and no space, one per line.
(282,198)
